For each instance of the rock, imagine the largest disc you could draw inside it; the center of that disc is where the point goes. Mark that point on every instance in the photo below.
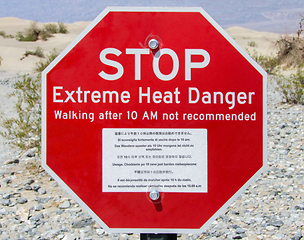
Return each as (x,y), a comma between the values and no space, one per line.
(124,236)
(21,200)
(239,236)
(100,231)
(276,223)
(37,207)
(28,182)
(28,187)
(14,185)
(278,236)
(3,211)
(3,172)
(82,223)
(30,153)
(233,226)
(42,200)
(5,202)
(41,191)
(36,218)
(239,231)
(8,196)
(36,187)
(299,207)
(59,211)
(14,161)
(51,234)
(7,180)
(64,205)
(70,237)
(297,236)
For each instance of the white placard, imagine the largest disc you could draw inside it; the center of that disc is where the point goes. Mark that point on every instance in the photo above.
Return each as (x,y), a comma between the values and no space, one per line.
(142,159)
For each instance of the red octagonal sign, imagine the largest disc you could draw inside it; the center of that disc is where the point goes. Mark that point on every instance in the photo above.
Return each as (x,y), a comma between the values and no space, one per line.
(154,120)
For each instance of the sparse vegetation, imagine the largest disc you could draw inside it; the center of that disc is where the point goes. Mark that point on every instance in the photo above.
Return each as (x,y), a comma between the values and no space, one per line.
(252,44)
(291,48)
(34,33)
(51,28)
(38,52)
(44,35)
(0,60)
(269,63)
(291,51)
(31,34)
(292,87)
(290,54)
(42,64)
(62,28)
(301,24)
(24,131)
(2,33)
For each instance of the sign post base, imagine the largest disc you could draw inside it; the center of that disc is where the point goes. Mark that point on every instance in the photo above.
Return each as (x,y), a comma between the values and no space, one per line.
(152,236)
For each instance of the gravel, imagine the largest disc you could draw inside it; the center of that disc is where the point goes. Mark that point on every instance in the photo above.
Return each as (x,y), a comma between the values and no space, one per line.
(33,206)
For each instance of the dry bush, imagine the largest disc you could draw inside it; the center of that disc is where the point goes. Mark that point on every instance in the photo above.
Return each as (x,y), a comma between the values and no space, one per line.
(292,87)
(34,33)
(291,48)
(268,63)
(24,130)
(37,52)
(31,34)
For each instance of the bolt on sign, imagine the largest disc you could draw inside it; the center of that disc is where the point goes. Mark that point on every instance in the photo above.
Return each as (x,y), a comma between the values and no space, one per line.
(154,120)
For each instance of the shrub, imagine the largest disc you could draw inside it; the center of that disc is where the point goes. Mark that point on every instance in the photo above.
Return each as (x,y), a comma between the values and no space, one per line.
(24,131)
(252,44)
(51,28)
(42,64)
(34,32)
(268,63)
(0,60)
(291,50)
(48,31)
(301,24)
(292,87)
(62,28)
(31,34)
(44,35)
(2,33)
(38,52)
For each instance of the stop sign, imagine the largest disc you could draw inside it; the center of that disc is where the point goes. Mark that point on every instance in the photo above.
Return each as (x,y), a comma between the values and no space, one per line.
(154,120)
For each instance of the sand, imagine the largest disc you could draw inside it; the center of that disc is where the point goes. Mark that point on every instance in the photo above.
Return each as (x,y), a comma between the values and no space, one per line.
(12,51)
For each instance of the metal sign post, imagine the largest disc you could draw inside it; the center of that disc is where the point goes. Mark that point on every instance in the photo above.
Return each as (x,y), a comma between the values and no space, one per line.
(151,236)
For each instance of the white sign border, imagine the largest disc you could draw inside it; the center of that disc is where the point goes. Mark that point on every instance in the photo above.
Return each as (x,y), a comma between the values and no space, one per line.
(76,41)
